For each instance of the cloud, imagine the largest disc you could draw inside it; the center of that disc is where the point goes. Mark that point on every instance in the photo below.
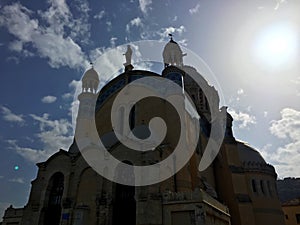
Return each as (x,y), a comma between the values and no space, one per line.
(286,157)
(48,99)
(145,5)
(195,9)
(288,127)
(109,25)
(99,15)
(17,180)
(9,116)
(67,96)
(13,59)
(55,41)
(164,32)
(183,42)
(53,135)
(243,120)
(113,41)
(296,81)
(240,91)
(30,154)
(279,2)
(137,22)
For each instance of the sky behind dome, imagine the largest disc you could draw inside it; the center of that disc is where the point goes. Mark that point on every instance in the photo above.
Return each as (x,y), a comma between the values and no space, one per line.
(252,47)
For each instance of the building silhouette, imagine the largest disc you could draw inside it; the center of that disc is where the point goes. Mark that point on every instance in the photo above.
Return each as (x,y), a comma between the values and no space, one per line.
(238,188)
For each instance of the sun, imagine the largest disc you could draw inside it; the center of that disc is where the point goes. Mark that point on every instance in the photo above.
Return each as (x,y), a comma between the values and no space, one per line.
(276,46)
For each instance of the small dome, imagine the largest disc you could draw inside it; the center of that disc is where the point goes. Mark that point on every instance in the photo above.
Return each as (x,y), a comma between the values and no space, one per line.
(249,154)
(91,74)
(172,54)
(90,81)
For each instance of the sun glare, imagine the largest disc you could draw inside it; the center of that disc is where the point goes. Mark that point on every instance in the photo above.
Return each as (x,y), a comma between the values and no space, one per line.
(276,46)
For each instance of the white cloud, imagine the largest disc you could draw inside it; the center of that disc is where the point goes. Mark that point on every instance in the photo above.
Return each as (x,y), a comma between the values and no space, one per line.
(145,5)
(183,42)
(279,2)
(240,91)
(67,96)
(137,22)
(288,126)
(53,134)
(75,85)
(13,59)
(260,7)
(32,155)
(17,180)
(99,15)
(113,41)
(296,81)
(244,120)
(164,32)
(48,99)
(9,116)
(195,9)
(286,157)
(52,41)
(96,53)
(109,25)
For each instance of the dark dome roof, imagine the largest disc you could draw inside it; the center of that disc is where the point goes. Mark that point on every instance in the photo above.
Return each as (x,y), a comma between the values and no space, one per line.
(249,154)
(91,74)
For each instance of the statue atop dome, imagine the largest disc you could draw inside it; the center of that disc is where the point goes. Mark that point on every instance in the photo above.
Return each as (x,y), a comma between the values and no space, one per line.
(128,56)
(172,54)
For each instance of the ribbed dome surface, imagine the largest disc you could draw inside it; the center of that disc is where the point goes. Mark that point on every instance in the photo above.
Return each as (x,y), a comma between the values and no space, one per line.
(248,154)
(91,74)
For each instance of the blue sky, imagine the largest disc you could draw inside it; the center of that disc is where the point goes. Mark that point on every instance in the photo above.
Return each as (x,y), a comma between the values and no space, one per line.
(252,47)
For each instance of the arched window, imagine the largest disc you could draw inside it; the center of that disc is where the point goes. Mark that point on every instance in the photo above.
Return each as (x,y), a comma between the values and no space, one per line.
(54,193)
(132,117)
(269,188)
(262,187)
(254,189)
(124,203)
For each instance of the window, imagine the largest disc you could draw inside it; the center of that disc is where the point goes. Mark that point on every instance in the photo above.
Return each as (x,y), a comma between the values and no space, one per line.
(132,118)
(298,218)
(262,187)
(269,188)
(254,186)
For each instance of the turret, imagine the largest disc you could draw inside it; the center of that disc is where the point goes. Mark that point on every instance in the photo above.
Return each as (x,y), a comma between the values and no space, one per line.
(90,81)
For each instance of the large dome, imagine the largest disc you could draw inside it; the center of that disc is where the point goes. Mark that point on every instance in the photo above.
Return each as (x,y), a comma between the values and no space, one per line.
(248,154)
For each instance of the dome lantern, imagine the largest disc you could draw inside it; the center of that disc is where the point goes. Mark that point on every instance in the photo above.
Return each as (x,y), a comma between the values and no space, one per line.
(90,81)
(172,54)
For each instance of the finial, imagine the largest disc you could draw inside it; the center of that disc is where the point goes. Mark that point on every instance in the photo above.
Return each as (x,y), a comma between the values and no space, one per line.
(171,37)
(92,65)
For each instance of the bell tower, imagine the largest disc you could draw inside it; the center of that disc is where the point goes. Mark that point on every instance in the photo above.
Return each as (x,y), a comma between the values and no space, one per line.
(87,102)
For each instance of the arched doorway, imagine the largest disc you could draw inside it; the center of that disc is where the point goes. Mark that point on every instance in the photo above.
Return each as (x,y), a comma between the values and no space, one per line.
(124,208)
(52,211)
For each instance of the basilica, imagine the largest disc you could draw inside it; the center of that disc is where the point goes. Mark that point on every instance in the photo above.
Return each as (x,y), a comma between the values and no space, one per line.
(237,188)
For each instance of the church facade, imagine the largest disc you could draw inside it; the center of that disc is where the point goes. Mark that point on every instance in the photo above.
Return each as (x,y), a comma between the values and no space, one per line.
(238,188)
